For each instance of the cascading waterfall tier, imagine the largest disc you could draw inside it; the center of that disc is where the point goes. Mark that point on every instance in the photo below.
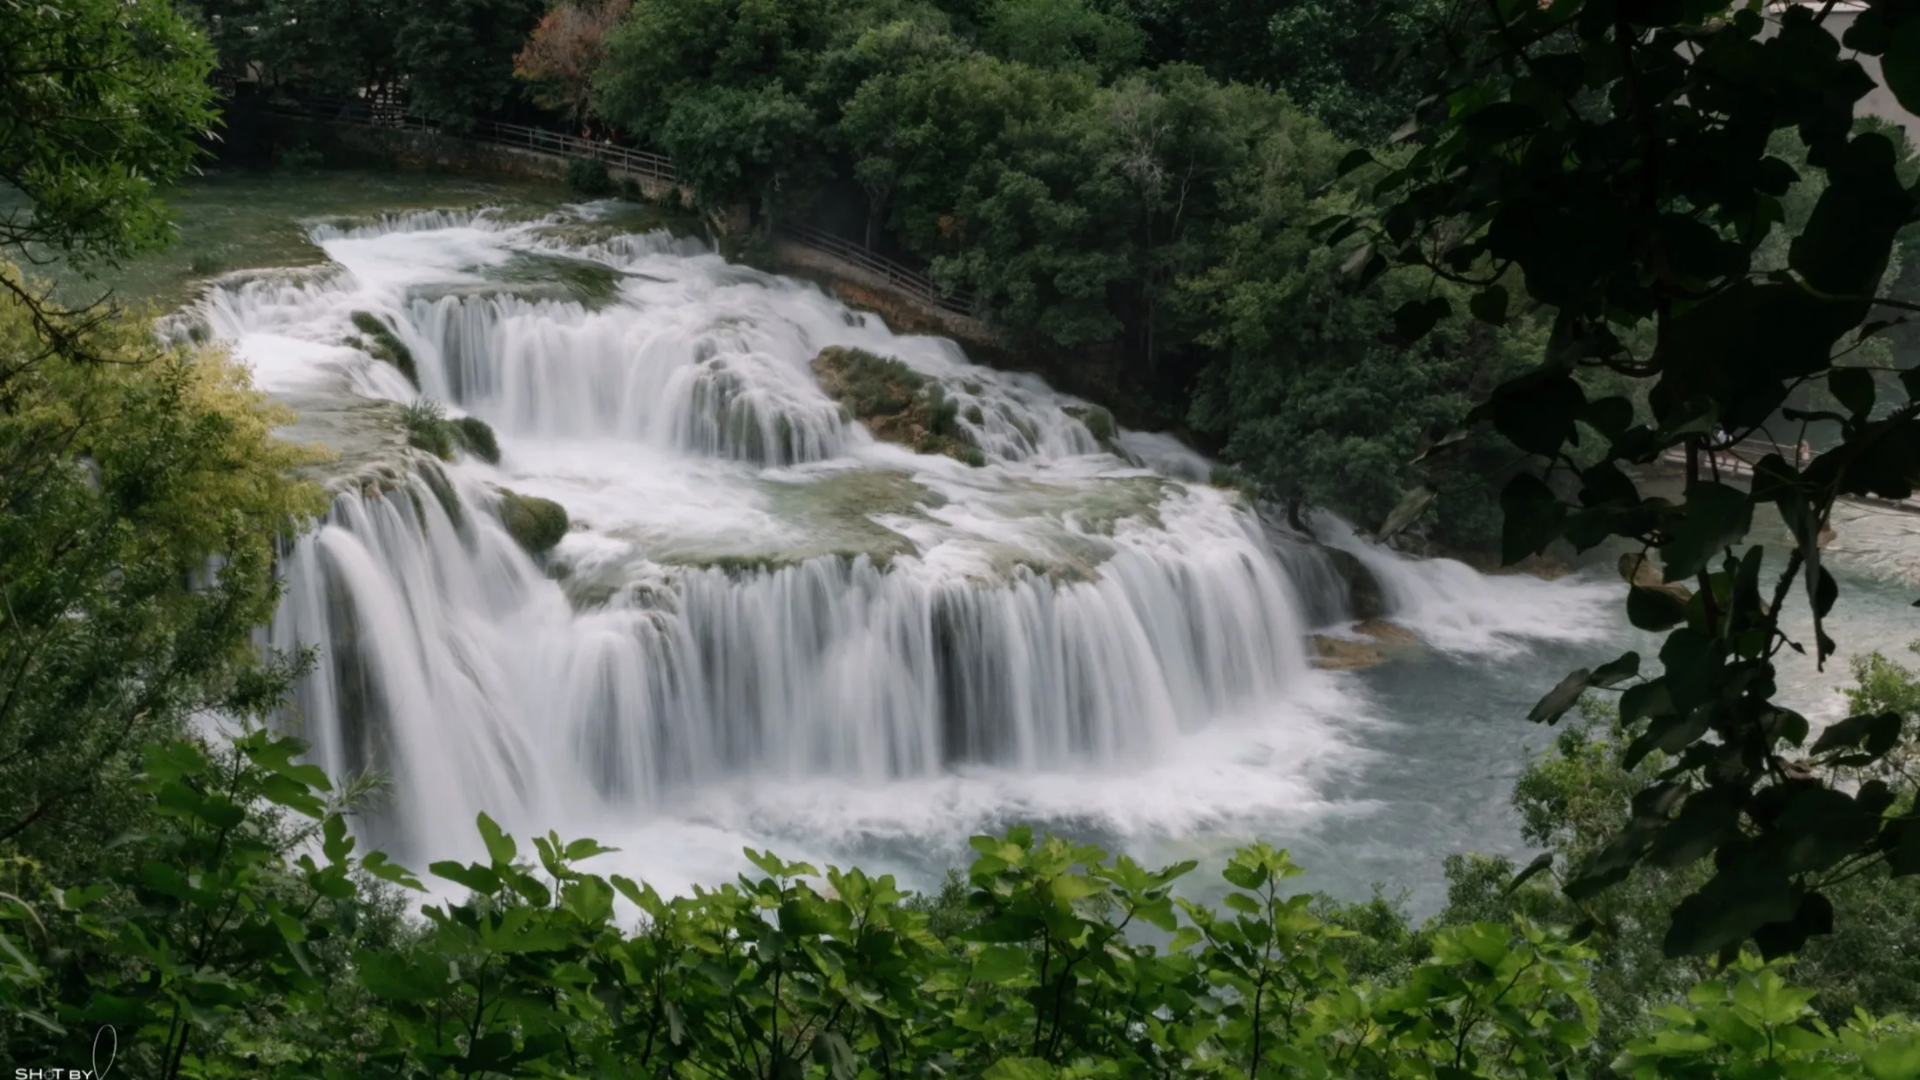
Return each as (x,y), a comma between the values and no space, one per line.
(755,589)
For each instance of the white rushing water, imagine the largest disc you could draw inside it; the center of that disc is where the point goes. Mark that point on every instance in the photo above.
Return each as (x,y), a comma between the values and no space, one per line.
(766,626)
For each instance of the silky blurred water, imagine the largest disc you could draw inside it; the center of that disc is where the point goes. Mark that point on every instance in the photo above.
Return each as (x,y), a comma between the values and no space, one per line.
(915,651)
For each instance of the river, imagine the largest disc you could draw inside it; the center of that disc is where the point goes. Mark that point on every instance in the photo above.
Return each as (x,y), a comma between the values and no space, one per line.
(768,628)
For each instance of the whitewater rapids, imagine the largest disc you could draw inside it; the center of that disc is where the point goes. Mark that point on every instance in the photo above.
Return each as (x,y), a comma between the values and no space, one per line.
(765,625)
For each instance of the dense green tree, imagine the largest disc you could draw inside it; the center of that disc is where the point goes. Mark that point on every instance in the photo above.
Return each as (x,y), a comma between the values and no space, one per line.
(100,103)
(1060,33)
(721,86)
(141,495)
(1359,68)
(458,55)
(333,48)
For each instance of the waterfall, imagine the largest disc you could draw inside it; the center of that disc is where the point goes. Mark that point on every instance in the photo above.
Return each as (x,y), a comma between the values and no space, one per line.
(757,596)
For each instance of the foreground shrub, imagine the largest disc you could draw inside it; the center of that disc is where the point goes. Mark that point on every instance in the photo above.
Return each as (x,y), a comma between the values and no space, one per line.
(217,948)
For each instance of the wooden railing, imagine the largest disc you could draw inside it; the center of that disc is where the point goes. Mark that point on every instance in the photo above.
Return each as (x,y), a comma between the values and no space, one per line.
(897,277)
(657,166)
(538,140)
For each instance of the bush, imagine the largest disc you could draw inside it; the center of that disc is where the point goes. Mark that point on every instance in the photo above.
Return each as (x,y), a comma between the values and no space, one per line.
(1021,968)
(428,429)
(589,176)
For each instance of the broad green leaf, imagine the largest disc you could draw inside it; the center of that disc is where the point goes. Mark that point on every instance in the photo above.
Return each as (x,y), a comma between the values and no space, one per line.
(500,847)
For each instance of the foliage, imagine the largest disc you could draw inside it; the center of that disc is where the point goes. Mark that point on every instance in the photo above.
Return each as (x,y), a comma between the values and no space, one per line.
(563,52)
(100,103)
(1576,796)
(589,176)
(1641,225)
(719,87)
(141,495)
(249,937)
(458,55)
(1359,70)
(452,59)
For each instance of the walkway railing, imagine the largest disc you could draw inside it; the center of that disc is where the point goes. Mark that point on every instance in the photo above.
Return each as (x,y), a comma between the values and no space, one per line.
(657,166)
(896,276)
(538,140)
(1738,460)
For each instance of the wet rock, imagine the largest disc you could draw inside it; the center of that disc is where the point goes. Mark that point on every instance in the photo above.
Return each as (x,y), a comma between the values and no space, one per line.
(1379,641)
(1365,598)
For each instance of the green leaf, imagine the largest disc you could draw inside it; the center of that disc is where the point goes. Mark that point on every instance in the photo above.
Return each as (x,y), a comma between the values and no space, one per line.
(1729,908)
(500,847)
(999,964)
(1717,516)
(1564,695)
(1538,411)
(1531,518)
(479,878)
(376,864)
(832,1051)
(1655,609)
(1616,671)
(1019,1069)
(1414,319)
(336,844)
(1490,305)
(1846,243)
(1853,388)
(1541,864)
(402,977)
(1878,732)
(1894,1057)
(1355,159)
(582,849)
(1411,506)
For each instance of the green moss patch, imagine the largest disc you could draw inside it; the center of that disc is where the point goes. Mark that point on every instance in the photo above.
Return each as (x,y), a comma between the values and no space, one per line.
(535,524)
(895,402)
(478,438)
(381,344)
(429,429)
(835,514)
(1099,423)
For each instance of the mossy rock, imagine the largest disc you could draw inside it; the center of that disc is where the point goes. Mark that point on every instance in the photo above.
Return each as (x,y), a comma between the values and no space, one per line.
(535,524)
(429,429)
(381,344)
(896,403)
(1099,423)
(478,438)
(1378,642)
